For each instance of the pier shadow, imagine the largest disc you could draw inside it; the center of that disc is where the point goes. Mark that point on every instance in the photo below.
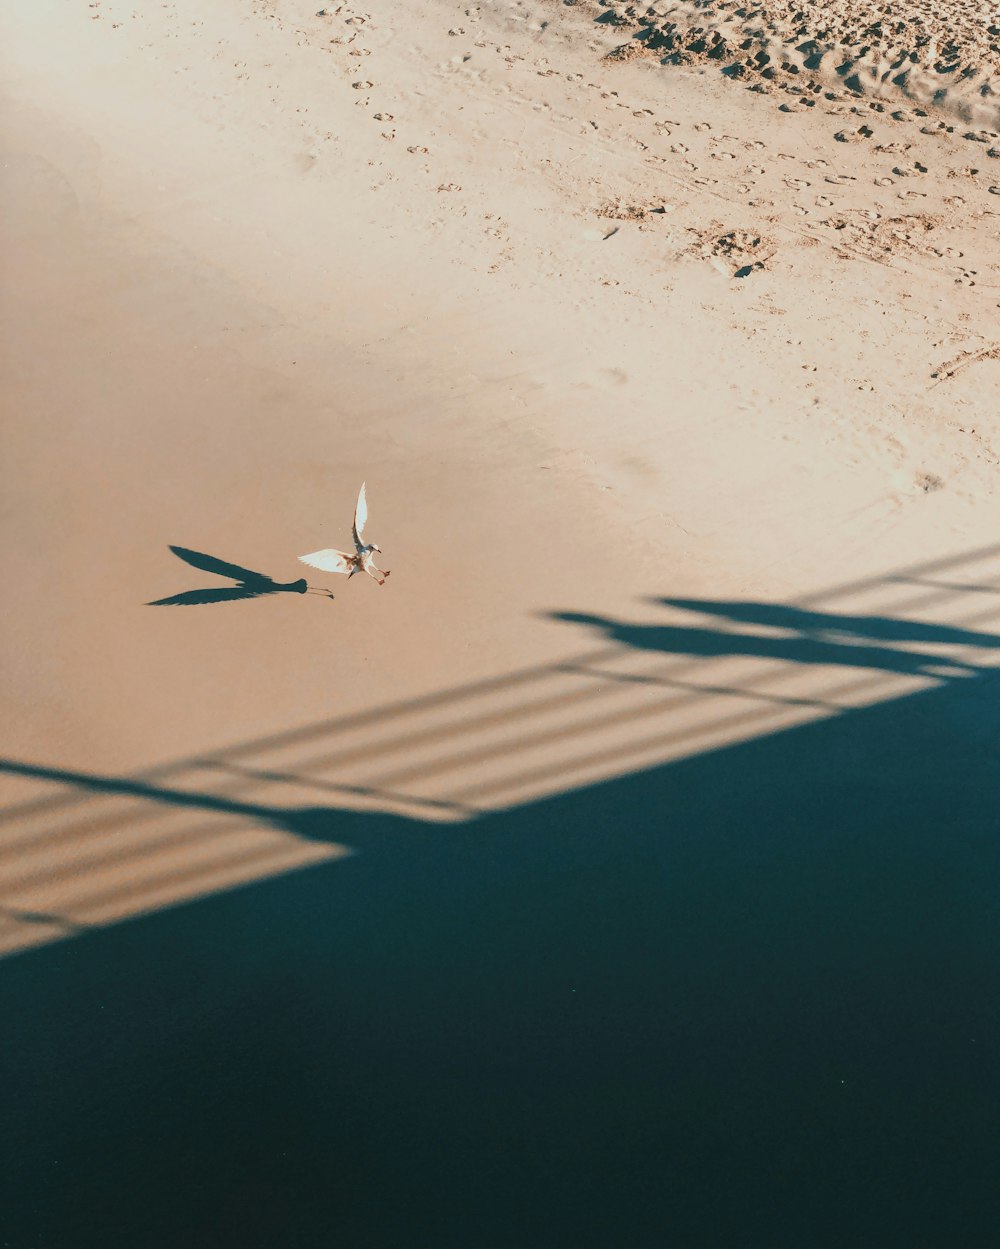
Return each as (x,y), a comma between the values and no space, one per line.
(746,998)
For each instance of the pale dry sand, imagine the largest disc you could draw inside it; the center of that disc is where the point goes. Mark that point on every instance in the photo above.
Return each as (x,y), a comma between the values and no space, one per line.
(595,331)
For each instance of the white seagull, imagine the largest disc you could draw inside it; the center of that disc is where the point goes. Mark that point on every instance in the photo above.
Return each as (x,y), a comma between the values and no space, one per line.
(361,560)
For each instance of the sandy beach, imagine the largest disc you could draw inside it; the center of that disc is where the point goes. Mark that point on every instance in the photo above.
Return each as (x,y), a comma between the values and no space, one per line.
(667,340)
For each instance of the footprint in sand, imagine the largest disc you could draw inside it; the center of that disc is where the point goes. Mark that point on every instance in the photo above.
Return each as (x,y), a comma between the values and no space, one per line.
(928,482)
(854,136)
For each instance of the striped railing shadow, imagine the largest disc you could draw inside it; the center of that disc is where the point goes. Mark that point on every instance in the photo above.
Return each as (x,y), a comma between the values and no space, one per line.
(104,849)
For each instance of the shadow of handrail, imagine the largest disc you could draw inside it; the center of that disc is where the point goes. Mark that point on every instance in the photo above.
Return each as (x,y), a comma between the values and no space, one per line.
(661,690)
(688,929)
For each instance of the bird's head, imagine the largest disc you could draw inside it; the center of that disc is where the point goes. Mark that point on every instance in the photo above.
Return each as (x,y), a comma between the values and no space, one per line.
(376,548)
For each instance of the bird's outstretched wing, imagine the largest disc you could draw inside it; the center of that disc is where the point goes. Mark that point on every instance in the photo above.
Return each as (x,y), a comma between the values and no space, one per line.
(360,517)
(329,561)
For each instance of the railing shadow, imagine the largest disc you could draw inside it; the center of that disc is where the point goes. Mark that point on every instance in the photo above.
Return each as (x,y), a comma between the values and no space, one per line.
(709,675)
(744,995)
(804,638)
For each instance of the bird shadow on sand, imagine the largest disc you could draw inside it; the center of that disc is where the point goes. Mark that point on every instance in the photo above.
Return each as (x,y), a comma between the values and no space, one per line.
(249,584)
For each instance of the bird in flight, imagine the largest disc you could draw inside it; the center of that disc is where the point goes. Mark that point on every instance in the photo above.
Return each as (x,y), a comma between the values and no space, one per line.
(362,559)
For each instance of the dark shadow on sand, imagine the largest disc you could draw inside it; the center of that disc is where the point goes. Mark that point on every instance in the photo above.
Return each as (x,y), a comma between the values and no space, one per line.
(249,584)
(801,637)
(129,788)
(745,999)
